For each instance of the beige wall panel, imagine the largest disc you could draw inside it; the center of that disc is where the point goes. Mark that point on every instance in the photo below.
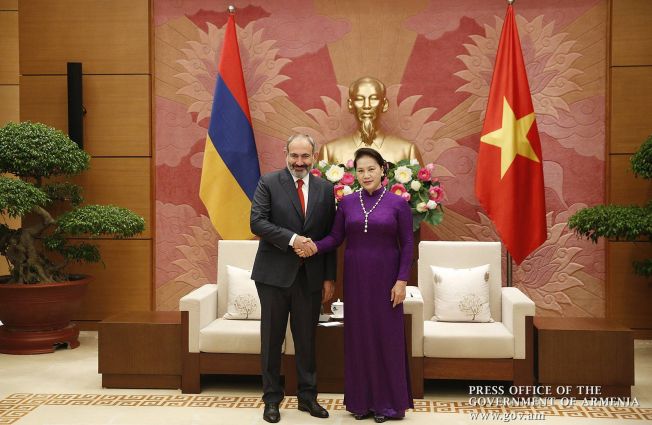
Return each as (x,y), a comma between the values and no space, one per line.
(631,103)
(44,99)
(118,115)
(107,36)
(8,4)
(625,189)
(117,121)
(9,104)
(631,39)
(125,284)
(9,47)
(628,295)
(120,181)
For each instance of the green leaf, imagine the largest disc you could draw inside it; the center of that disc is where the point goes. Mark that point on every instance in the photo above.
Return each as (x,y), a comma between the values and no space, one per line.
(64,192)
(36,150)
(643,268)
(642,160)
(612,221)
(101,220)
(435,216)
(18,197)
(80,252)
(416,221)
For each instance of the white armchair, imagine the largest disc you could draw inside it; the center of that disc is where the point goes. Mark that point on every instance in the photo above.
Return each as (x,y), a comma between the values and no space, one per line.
(213,345)
(500,350)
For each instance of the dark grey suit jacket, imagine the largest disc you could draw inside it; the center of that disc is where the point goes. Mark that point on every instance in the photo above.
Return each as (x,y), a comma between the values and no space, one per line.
(276,216)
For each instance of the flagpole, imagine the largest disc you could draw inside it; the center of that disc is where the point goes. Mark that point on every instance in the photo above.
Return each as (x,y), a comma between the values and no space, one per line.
(509,256)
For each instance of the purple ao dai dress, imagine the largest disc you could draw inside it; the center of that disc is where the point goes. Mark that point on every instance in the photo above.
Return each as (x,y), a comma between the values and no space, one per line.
(377,375)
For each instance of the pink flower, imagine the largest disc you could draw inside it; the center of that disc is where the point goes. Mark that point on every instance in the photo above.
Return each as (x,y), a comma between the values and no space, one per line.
(399,189)
(436,193)
(349,163)
(347,179)
(338,190)
(315,172)
(385,182)
(424,175)
(435,179)
(430,166)
(406,196)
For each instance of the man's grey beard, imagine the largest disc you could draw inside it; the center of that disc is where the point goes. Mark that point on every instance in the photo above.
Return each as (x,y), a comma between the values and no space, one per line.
(299,174)
(367,131)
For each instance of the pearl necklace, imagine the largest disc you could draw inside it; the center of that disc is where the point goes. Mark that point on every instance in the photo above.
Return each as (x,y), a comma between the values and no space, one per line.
(364,210)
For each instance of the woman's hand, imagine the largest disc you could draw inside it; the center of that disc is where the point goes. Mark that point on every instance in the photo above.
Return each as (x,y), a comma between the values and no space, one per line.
(398,292)
(304,247)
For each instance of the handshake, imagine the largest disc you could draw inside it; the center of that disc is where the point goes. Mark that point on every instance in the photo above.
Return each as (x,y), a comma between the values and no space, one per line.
(304,247)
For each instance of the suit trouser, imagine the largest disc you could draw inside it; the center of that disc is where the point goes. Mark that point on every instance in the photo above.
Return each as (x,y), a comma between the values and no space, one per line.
(303,305)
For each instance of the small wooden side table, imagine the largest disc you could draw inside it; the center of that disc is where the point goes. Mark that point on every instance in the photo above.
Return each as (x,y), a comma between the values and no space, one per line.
(329,347)
(140,349)
(584,352)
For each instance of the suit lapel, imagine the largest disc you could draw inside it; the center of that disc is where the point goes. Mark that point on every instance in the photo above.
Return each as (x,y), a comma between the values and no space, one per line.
(313,192)
(288,184)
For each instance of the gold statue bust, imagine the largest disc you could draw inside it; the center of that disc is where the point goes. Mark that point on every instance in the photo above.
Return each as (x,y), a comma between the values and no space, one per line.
(367,102)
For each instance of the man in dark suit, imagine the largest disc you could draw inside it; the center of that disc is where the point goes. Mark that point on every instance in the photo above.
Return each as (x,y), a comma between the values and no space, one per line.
(291,207)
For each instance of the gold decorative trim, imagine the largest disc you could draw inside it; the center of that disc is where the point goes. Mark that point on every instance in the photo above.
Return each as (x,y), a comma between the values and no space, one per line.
(16,406)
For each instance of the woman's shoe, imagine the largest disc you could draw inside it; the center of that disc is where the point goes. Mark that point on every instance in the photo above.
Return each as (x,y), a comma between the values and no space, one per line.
(359,417)
(380,418)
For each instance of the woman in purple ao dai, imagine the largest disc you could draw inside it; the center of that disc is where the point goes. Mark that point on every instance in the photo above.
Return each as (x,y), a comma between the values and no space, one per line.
(377,227)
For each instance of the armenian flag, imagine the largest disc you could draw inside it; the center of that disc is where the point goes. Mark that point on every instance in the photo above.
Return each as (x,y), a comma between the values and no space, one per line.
(230,170)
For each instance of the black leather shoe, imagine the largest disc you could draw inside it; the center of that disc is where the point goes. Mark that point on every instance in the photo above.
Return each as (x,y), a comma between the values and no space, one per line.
(313,408)
(271,413)
(380,418)
(359,417)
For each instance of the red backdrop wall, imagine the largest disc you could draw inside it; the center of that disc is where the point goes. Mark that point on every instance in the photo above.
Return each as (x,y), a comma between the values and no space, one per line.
(436,57)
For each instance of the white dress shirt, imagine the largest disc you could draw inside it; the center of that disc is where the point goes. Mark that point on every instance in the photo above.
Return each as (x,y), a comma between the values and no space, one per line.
(304,189)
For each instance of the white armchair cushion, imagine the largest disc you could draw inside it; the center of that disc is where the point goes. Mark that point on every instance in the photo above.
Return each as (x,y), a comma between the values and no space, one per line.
(461,295)
(201,305)
(242,297)
(413,305)
(459,255)
(517,305)
(464,340)
(231,336)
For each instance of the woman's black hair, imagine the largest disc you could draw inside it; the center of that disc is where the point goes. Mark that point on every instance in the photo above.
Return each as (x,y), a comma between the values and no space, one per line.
(373,153)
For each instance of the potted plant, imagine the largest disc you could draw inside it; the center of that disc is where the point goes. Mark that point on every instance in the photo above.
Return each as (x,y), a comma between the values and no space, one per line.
(618,221)
(40,295)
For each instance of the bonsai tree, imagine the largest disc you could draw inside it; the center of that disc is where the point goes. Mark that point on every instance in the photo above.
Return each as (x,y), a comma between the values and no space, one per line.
(621,222)
(40,250)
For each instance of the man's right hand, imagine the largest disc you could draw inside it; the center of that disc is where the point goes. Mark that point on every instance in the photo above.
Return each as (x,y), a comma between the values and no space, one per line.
(304,247)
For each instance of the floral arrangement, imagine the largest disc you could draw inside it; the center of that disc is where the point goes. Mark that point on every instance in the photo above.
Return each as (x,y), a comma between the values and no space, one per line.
(407,178)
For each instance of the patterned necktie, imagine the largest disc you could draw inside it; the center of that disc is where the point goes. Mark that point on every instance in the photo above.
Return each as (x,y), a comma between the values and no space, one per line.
(300,193)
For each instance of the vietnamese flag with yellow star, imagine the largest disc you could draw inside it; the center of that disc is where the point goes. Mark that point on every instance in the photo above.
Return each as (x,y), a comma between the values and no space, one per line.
(509,176)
